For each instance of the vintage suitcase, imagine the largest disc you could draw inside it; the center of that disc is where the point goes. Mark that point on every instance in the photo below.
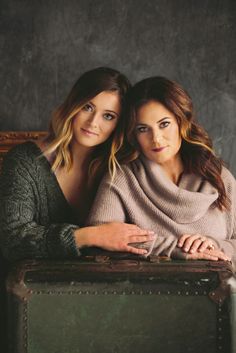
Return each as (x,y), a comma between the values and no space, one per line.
(3,302)
(120,306)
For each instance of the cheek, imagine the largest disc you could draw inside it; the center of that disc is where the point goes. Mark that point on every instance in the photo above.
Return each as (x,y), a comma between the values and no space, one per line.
(142,141)
(109,128)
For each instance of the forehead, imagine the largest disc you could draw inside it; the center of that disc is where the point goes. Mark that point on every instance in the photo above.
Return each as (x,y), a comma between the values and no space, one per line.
(153,111)
(107,100)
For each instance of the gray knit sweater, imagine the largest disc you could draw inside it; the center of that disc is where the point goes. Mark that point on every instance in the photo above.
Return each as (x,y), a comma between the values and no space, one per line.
(36,220)
(142,194)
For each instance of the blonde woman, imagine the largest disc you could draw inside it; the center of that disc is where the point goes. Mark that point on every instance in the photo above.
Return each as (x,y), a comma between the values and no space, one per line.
(174,184)
(46,188)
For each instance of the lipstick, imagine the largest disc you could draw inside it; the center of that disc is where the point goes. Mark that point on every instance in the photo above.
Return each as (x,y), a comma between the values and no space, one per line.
(158,149)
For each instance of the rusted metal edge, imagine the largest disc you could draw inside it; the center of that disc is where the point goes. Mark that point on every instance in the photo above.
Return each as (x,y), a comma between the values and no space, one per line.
(223,291)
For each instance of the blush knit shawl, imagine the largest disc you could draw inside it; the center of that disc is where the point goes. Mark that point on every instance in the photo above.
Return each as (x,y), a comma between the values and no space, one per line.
(142,194)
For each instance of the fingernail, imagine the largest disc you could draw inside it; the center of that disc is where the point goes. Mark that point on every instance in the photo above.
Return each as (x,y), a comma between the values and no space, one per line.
(191,251)
(186,249)
(179,245)
(151,232)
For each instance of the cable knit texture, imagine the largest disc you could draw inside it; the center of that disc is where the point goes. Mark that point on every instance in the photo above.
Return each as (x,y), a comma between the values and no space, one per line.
(142,194)
(36,220)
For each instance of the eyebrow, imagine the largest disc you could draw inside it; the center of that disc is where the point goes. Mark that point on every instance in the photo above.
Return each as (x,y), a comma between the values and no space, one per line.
(111,111)
(159,121)
(106,110)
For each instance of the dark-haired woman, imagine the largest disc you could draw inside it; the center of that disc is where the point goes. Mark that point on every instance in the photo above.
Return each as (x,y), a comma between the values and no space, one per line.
(174,183)
(46,188)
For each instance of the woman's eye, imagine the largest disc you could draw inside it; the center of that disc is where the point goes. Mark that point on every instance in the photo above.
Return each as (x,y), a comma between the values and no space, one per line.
(142,129)
(108,116)
(164,124)
(88,107)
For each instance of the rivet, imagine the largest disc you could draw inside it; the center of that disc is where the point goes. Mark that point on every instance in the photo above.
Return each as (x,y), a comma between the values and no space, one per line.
(196,293)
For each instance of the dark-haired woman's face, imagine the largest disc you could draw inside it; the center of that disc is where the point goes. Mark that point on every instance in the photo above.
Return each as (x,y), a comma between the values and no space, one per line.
(158,135)
(97,119)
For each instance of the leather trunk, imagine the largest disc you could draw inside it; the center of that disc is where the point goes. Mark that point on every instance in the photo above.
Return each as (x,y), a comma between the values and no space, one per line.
(98,304)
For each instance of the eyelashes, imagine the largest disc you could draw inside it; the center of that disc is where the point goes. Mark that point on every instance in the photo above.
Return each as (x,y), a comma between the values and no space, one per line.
(144,128)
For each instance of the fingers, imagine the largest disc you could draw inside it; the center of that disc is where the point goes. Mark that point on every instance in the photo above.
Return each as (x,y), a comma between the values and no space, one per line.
(202,256)
(192,242)
(139,231)
(136,251)
(195,242)
(218,253)
(141,238)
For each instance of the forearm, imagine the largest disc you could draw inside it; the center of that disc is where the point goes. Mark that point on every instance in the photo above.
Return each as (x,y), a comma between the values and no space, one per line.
(36,241)
(228,246)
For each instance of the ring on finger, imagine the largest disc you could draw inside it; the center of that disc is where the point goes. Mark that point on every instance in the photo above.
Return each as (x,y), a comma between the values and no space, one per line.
(211,247)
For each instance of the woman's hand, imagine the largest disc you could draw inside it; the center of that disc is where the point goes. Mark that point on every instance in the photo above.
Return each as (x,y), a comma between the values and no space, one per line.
(192,243)
(114,237)
(207,254)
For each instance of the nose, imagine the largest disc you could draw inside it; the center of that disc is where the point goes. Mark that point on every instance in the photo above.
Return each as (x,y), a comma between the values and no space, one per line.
(93,119)
(156,136)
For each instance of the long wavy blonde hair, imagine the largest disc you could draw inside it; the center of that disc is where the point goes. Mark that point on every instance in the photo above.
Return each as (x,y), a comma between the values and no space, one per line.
(60,134)
(196,149)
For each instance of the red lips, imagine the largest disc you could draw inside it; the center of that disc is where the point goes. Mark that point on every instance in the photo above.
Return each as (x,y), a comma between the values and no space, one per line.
(159,149)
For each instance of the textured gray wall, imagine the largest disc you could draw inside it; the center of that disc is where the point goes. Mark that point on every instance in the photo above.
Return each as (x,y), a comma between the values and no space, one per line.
(46,44)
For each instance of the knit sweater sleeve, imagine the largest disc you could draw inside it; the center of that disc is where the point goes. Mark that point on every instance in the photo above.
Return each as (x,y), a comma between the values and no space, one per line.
(108,205)
(21,233)
(228,245)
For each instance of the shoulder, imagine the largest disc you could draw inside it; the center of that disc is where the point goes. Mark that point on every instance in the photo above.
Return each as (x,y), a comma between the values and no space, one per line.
(227,176)
(229,181)
(25,156)
(27,149)
(124,175)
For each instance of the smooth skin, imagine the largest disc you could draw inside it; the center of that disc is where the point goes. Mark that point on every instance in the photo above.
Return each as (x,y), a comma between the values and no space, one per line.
(159,139)
(93,125)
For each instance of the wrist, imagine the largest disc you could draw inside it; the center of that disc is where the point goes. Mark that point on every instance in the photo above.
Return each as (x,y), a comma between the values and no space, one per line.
(85,237)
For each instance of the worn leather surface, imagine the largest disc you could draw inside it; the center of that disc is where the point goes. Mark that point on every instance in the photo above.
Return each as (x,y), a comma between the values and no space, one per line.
(122,306)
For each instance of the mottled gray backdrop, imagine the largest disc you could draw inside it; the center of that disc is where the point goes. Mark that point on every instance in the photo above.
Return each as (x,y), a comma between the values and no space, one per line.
(46,44)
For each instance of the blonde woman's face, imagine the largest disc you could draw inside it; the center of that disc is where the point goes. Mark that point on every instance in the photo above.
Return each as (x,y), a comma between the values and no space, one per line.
(97,119)
(157,133)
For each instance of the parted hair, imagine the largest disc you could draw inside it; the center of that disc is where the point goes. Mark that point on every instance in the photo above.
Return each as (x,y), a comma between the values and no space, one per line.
(60,134)
(196,148)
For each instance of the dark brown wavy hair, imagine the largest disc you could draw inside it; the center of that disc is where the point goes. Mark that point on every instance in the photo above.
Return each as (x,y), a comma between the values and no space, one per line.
(196,149)
(90,84)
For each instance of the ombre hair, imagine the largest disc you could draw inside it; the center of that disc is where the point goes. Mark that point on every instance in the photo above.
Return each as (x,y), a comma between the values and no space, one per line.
(60,135)
(196,148)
